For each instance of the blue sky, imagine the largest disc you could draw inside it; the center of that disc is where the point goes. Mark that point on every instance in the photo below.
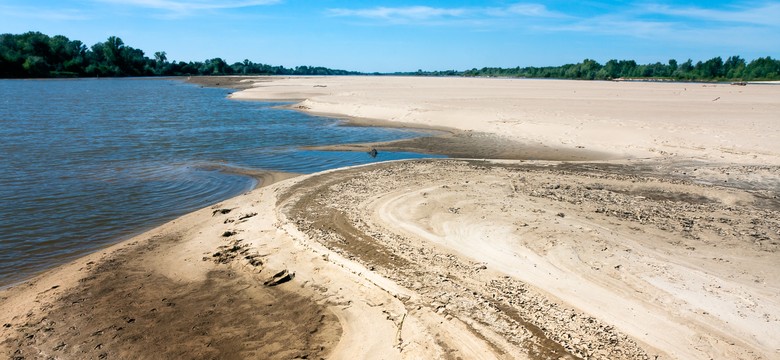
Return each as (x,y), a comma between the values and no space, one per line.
(410,35)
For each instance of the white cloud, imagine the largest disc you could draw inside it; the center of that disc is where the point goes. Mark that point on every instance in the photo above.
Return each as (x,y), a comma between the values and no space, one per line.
(610,25)
(659,23)
(764,14)
(749,26)
(184,6)
(635,20)
(399,13)
(419,14)
(535,10)
(22,12)
(680,25)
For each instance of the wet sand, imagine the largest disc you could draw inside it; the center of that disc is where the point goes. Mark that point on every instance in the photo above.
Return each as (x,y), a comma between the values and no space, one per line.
(187,289)
(623,256)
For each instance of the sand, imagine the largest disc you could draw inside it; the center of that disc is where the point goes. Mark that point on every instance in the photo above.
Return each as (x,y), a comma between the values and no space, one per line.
(708,122)
(660,241)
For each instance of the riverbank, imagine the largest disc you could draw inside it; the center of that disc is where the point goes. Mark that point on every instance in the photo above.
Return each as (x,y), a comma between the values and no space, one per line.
(667,257)
(188,288)
(717,123)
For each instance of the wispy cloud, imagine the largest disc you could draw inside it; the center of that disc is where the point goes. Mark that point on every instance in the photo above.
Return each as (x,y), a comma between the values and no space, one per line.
(696,23)
(424,14)
(641,20)
(763,14)
(678,25)
(183,7)
(399,13)
(748,26)
(26,12)
(614,25)
(535,10)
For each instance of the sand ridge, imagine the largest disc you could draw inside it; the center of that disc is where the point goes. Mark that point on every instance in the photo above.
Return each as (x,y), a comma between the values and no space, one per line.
(603,265)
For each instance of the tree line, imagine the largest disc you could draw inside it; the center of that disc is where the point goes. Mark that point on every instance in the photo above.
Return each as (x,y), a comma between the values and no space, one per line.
(37,55)
(733,68)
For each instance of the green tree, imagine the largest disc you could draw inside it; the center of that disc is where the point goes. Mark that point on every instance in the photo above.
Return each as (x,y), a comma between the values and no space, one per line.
(711,69)
(734,67)
(612,69)
(764,68)
(11,59)
(672,67)
(160,64)
(36,66)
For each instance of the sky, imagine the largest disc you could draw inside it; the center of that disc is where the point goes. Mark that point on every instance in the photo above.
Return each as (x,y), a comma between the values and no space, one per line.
(389,36)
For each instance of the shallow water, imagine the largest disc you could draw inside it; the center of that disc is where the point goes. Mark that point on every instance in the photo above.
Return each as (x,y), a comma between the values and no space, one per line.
(84,163)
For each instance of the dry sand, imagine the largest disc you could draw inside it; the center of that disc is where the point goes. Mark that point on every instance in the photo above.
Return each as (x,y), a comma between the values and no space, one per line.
(593,260)
(663,245)
(710,122)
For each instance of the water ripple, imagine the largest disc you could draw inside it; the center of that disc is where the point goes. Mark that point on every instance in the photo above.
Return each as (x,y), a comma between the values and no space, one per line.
(84,163)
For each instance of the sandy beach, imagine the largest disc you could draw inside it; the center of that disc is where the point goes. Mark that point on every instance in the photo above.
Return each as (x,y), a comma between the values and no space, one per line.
(707,122)
(580,220)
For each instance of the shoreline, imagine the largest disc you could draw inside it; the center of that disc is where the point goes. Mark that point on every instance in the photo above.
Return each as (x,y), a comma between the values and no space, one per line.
(667,256)
(167,274)
(448,141)
(622,119)
(260,178)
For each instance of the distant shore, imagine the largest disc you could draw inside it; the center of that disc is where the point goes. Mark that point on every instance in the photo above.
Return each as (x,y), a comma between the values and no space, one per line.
(651,230)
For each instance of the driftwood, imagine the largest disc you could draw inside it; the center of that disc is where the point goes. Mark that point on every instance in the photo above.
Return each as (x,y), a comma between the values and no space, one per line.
(221,211)
(279,278)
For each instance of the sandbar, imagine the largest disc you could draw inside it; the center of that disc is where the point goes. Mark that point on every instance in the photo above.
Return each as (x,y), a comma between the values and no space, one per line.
(592,220)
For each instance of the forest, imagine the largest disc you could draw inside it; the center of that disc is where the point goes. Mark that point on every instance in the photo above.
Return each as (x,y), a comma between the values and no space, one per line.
(37,55)
(734,68)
